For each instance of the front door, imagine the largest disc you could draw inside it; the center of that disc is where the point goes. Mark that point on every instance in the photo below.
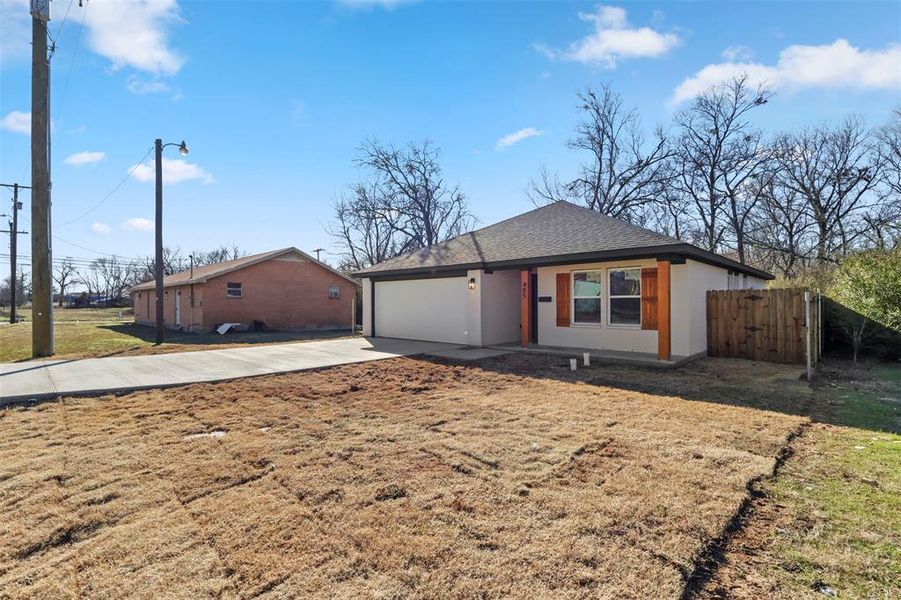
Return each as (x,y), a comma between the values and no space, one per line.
(178,308)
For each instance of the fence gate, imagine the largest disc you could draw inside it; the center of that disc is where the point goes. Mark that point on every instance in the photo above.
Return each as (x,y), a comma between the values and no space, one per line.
(765,325)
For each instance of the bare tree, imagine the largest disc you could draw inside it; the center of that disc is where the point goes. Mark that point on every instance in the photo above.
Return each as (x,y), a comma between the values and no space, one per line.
(888,147)
(623,175)
(111,277)
(836,172)
(415,198)
(218,255)
(780,230)
(65,273)
(363,228)
(718,151)
(403,205)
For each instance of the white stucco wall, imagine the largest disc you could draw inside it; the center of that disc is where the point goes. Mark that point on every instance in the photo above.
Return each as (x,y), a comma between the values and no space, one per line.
(367,307)
(500,306)
(434,310)
(446,310)
(701,278)
(599,337)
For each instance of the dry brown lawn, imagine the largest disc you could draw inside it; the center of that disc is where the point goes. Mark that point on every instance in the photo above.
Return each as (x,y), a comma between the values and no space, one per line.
(401,478)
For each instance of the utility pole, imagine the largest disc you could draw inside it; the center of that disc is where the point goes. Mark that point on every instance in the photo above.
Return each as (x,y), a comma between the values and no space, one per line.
(41,274)
(158,267)
(158,146)
(13,246)
(317,251)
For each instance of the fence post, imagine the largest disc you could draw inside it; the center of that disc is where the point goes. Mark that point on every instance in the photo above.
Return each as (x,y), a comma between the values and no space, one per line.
(807,330)
(819,325)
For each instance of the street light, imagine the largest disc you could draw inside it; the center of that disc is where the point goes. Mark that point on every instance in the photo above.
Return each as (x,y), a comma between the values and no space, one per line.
(158,267)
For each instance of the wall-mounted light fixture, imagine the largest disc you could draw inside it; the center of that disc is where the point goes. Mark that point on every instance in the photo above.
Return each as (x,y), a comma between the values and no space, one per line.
(472,283)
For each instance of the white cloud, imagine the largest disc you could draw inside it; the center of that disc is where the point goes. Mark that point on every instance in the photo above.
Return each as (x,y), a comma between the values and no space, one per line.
(135,34)
(15,30)
(142,87)
(84,158)
(138,224)
(516,137)
(101,228)
(368,4)
(174,171)
(613,40)
(835,65)
(737,53)
(17,122)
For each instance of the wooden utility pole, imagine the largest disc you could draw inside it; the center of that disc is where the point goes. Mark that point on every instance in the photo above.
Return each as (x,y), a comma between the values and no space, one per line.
(13,246)
(41,274)
(158,267)
(317,251)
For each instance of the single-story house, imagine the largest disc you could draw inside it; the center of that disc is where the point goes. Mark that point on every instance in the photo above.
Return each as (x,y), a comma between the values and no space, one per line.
(558,276)
(285,289)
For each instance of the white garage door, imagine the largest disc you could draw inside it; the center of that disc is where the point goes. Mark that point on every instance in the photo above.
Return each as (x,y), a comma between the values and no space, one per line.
(422,309)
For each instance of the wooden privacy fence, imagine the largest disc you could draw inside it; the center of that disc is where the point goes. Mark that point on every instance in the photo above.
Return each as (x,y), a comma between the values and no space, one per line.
(766,325)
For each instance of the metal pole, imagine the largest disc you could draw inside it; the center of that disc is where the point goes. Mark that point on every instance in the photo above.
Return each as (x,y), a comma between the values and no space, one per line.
(819,325)
(42,286)
(807,333)
(158,268)
(13,234)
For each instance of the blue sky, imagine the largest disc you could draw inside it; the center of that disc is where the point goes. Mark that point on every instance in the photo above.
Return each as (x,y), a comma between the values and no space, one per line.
(273,98)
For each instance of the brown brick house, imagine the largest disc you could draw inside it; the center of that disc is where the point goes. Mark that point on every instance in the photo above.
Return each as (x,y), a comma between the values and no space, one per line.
(285,289)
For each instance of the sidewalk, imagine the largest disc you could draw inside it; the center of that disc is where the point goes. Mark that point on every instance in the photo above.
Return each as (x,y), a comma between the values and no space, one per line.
(94,376)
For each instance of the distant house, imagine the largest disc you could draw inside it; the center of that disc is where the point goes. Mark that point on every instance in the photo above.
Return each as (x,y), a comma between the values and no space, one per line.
(284,289)
(558,276)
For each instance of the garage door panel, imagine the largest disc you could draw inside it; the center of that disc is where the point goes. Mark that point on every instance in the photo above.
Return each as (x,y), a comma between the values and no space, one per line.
(424,309)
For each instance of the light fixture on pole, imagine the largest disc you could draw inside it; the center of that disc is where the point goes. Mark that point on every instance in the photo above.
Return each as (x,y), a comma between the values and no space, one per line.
(158,267)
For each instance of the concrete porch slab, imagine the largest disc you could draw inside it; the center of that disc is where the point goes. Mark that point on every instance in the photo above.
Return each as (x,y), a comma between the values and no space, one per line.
(470,353)
(641,359)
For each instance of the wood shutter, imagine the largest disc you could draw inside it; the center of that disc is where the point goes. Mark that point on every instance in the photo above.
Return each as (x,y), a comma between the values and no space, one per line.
(649,298)
(563,300)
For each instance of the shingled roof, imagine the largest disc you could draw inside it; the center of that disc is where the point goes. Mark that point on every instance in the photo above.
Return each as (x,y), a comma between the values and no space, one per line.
(553,234)
(206,272)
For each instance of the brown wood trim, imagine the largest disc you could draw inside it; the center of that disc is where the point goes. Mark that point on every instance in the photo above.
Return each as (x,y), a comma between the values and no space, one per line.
(649,298)
(664,319)
(563,287)
(525,321)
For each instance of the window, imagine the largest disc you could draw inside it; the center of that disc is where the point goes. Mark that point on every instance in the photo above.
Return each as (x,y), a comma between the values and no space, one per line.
(334,292)
(233,290)
(587,297)
(736,281)
(625,296)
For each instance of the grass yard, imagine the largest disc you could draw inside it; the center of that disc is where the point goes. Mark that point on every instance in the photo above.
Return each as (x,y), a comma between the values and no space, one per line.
(95,332)
(511,477)
(401,478)
(831,520)
(66,315)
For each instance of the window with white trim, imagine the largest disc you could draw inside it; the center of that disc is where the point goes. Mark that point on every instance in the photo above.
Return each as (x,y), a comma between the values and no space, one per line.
(334,292)
(234,289)
(586,297)
(624,297)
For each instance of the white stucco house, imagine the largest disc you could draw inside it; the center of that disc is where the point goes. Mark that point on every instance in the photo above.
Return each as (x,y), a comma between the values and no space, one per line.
(558,276)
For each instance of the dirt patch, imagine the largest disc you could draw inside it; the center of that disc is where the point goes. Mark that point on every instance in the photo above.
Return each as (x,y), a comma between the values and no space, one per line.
(403,478)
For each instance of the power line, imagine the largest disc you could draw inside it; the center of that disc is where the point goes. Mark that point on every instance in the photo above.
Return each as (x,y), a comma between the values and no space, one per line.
(77,260)
(84,13)
(65,17)
(110,194)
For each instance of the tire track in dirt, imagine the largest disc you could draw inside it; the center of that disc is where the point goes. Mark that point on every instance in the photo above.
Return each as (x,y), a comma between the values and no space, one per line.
(713,555)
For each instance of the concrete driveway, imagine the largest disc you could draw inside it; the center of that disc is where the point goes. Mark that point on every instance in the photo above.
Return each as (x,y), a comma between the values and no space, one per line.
(44,379)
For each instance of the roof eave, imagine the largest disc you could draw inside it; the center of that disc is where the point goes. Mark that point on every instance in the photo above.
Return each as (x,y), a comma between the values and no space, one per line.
(682,250)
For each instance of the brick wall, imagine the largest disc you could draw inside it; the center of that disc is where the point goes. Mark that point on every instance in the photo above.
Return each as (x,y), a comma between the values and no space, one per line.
(285,293)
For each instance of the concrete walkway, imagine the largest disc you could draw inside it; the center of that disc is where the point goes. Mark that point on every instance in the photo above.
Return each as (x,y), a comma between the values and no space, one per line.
(94,376)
